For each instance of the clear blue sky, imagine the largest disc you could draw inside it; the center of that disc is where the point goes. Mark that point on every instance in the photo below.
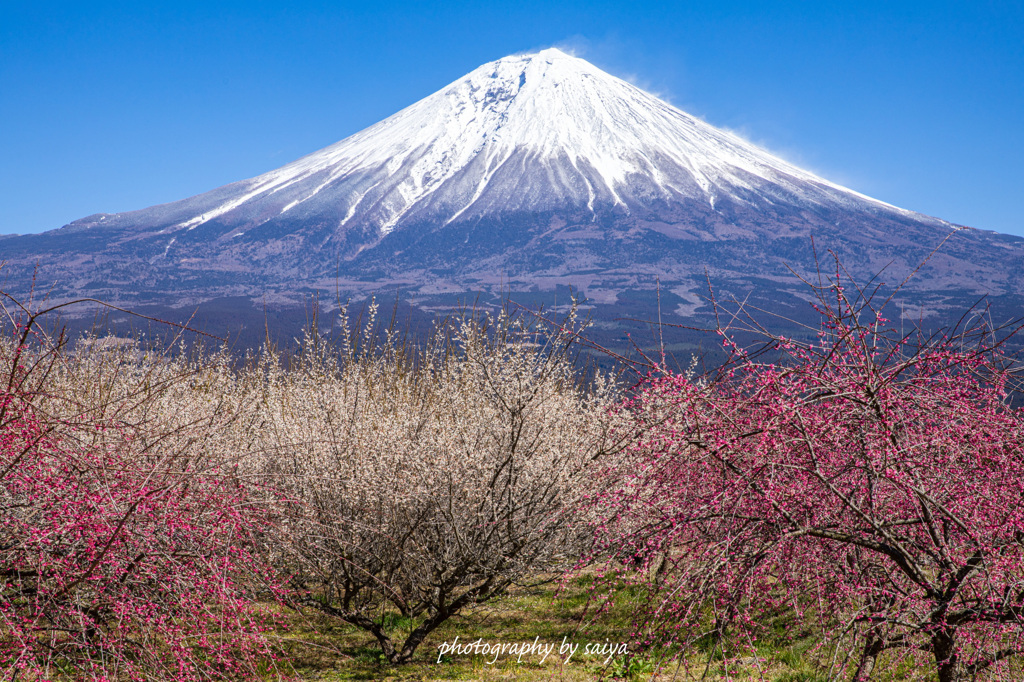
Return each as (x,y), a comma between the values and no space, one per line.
(108,107)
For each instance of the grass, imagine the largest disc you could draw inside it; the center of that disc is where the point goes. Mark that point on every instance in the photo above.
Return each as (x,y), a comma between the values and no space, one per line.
(321,649)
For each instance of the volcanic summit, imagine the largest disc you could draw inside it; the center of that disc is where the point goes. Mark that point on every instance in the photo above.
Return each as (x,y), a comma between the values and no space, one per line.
(530,173)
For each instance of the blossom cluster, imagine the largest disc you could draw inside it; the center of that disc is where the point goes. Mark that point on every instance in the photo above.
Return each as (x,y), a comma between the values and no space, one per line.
(866,481)
(125,539)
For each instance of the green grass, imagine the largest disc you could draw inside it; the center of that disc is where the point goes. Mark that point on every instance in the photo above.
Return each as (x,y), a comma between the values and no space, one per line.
(318,648)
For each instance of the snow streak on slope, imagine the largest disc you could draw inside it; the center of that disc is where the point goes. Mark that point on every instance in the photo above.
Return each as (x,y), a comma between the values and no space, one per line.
(524,133)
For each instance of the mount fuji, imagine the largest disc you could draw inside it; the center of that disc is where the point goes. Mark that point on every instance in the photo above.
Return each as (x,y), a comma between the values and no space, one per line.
(530,174)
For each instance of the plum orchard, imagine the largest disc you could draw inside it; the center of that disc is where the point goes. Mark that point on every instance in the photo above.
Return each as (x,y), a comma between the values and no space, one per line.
(147,499)
(865,480)
(425,482)
(123,541)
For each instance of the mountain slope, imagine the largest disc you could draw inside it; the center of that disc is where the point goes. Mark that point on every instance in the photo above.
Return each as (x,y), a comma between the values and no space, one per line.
(527,133)
(530,173)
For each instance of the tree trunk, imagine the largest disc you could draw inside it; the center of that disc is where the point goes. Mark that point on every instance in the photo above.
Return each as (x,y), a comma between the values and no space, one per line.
(947,660)
(872,648)
(417,636)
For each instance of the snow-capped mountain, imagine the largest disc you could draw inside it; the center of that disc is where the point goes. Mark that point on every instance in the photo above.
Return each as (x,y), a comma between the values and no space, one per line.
(530,172)
(527,133)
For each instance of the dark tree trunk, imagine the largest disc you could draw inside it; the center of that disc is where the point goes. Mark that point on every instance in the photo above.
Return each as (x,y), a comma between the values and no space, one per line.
(947,660)
(872,648)
(415,638)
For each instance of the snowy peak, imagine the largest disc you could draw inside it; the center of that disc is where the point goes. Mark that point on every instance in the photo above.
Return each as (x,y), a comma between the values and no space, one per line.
(530,173)
(526,133)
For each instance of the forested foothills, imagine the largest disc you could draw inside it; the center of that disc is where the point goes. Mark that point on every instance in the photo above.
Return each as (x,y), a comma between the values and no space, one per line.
(843,508)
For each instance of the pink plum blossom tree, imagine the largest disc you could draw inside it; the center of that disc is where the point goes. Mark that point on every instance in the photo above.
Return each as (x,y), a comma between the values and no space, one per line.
(865,480)
(123,546)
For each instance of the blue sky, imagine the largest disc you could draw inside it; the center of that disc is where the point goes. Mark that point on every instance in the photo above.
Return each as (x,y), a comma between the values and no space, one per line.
(108,107)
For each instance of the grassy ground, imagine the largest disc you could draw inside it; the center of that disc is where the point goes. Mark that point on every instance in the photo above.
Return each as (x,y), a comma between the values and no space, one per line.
(319,649)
